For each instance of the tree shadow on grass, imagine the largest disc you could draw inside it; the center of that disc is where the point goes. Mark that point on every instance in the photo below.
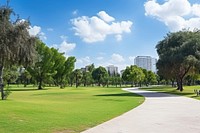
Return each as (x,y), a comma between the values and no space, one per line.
(119,95)
(26,89)
(180,93)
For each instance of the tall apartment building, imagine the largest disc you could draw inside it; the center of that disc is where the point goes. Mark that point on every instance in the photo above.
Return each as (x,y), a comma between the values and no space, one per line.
(112,70)
(146,62)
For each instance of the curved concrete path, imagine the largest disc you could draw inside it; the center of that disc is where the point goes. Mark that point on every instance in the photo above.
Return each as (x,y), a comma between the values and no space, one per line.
(160,113)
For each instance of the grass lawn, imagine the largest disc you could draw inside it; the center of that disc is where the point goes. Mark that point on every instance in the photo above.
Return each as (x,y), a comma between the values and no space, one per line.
(188,91)
(54,110)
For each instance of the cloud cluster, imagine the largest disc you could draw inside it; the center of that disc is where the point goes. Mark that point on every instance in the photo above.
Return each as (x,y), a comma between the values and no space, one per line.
(37,31)
(65,47)
(84,61)
(176,14)
(34,31)
(117,58)
(97,28)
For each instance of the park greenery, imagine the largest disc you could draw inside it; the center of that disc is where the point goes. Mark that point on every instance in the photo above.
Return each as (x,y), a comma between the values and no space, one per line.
(51,95)
(188,92)
(70,110)
(25,59)
(16,45)
(179,56)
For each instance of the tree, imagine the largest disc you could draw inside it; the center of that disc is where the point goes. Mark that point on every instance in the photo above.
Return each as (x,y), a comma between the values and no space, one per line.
(133,74)
(87,75)
(16,45)
(91,68)
(68,68)
(78,75)
(43,68)
(87,78)
(63,67)
(26,76)
(179,52)
(10,74)
(150,77)
(99,75)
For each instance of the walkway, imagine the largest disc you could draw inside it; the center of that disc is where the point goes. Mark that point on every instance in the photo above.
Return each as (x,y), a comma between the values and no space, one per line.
(160,113)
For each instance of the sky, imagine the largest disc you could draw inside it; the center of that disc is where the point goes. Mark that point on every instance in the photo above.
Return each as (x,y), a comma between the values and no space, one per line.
(106,32)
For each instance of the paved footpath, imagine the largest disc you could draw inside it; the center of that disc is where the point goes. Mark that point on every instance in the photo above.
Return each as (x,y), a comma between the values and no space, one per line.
(160,113)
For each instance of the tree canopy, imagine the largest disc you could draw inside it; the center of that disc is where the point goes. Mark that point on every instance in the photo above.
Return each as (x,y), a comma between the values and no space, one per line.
(99,75)
(133,74)
(179,52)
(16,44)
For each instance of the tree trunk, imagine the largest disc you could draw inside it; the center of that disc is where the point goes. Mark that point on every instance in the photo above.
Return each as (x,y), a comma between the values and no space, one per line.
(76,81)
(1,82)
(99,84)
(172,81)
(180,84)
(40,84)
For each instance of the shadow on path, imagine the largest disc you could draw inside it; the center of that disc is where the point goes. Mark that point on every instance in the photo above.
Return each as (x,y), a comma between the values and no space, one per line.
(150,94)
(119,94)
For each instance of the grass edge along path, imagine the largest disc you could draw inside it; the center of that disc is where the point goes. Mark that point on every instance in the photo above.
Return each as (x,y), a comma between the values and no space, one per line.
(188,90)
(70,110)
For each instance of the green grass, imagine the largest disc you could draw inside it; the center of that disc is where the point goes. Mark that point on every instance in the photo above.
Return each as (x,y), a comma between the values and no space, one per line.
(54,110)
(188,91)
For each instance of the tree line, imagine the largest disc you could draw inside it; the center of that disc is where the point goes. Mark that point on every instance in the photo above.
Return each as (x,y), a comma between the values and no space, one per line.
(26,59)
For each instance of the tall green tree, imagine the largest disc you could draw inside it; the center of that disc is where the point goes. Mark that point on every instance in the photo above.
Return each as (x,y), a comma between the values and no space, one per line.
(77,73)
(179,52)
(63,69)
(133,74)
(100,75)
(150,77)
(87,75)
(43,68)
(16,45)
(87,78)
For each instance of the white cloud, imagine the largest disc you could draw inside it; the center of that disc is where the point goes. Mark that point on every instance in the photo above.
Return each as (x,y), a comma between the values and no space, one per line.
(104,16)
(37,31)
(117,58)
(34,31)
(65,47)
(176,14)
(94,29)
(84,61)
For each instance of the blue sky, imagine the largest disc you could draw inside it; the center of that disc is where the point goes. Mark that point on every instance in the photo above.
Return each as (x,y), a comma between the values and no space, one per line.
(106,32)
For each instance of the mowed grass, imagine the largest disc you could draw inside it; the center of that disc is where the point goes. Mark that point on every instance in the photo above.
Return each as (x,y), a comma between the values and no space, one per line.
(68,110)
(188,91)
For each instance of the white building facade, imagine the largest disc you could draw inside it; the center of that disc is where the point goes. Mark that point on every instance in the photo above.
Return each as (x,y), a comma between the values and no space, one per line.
(146,62)
(112,70)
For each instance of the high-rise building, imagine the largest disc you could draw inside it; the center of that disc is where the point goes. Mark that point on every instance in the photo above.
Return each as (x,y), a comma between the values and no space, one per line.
(112,70)
(146,62)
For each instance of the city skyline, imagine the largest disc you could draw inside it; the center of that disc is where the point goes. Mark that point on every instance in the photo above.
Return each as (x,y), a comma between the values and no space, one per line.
(106,32)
